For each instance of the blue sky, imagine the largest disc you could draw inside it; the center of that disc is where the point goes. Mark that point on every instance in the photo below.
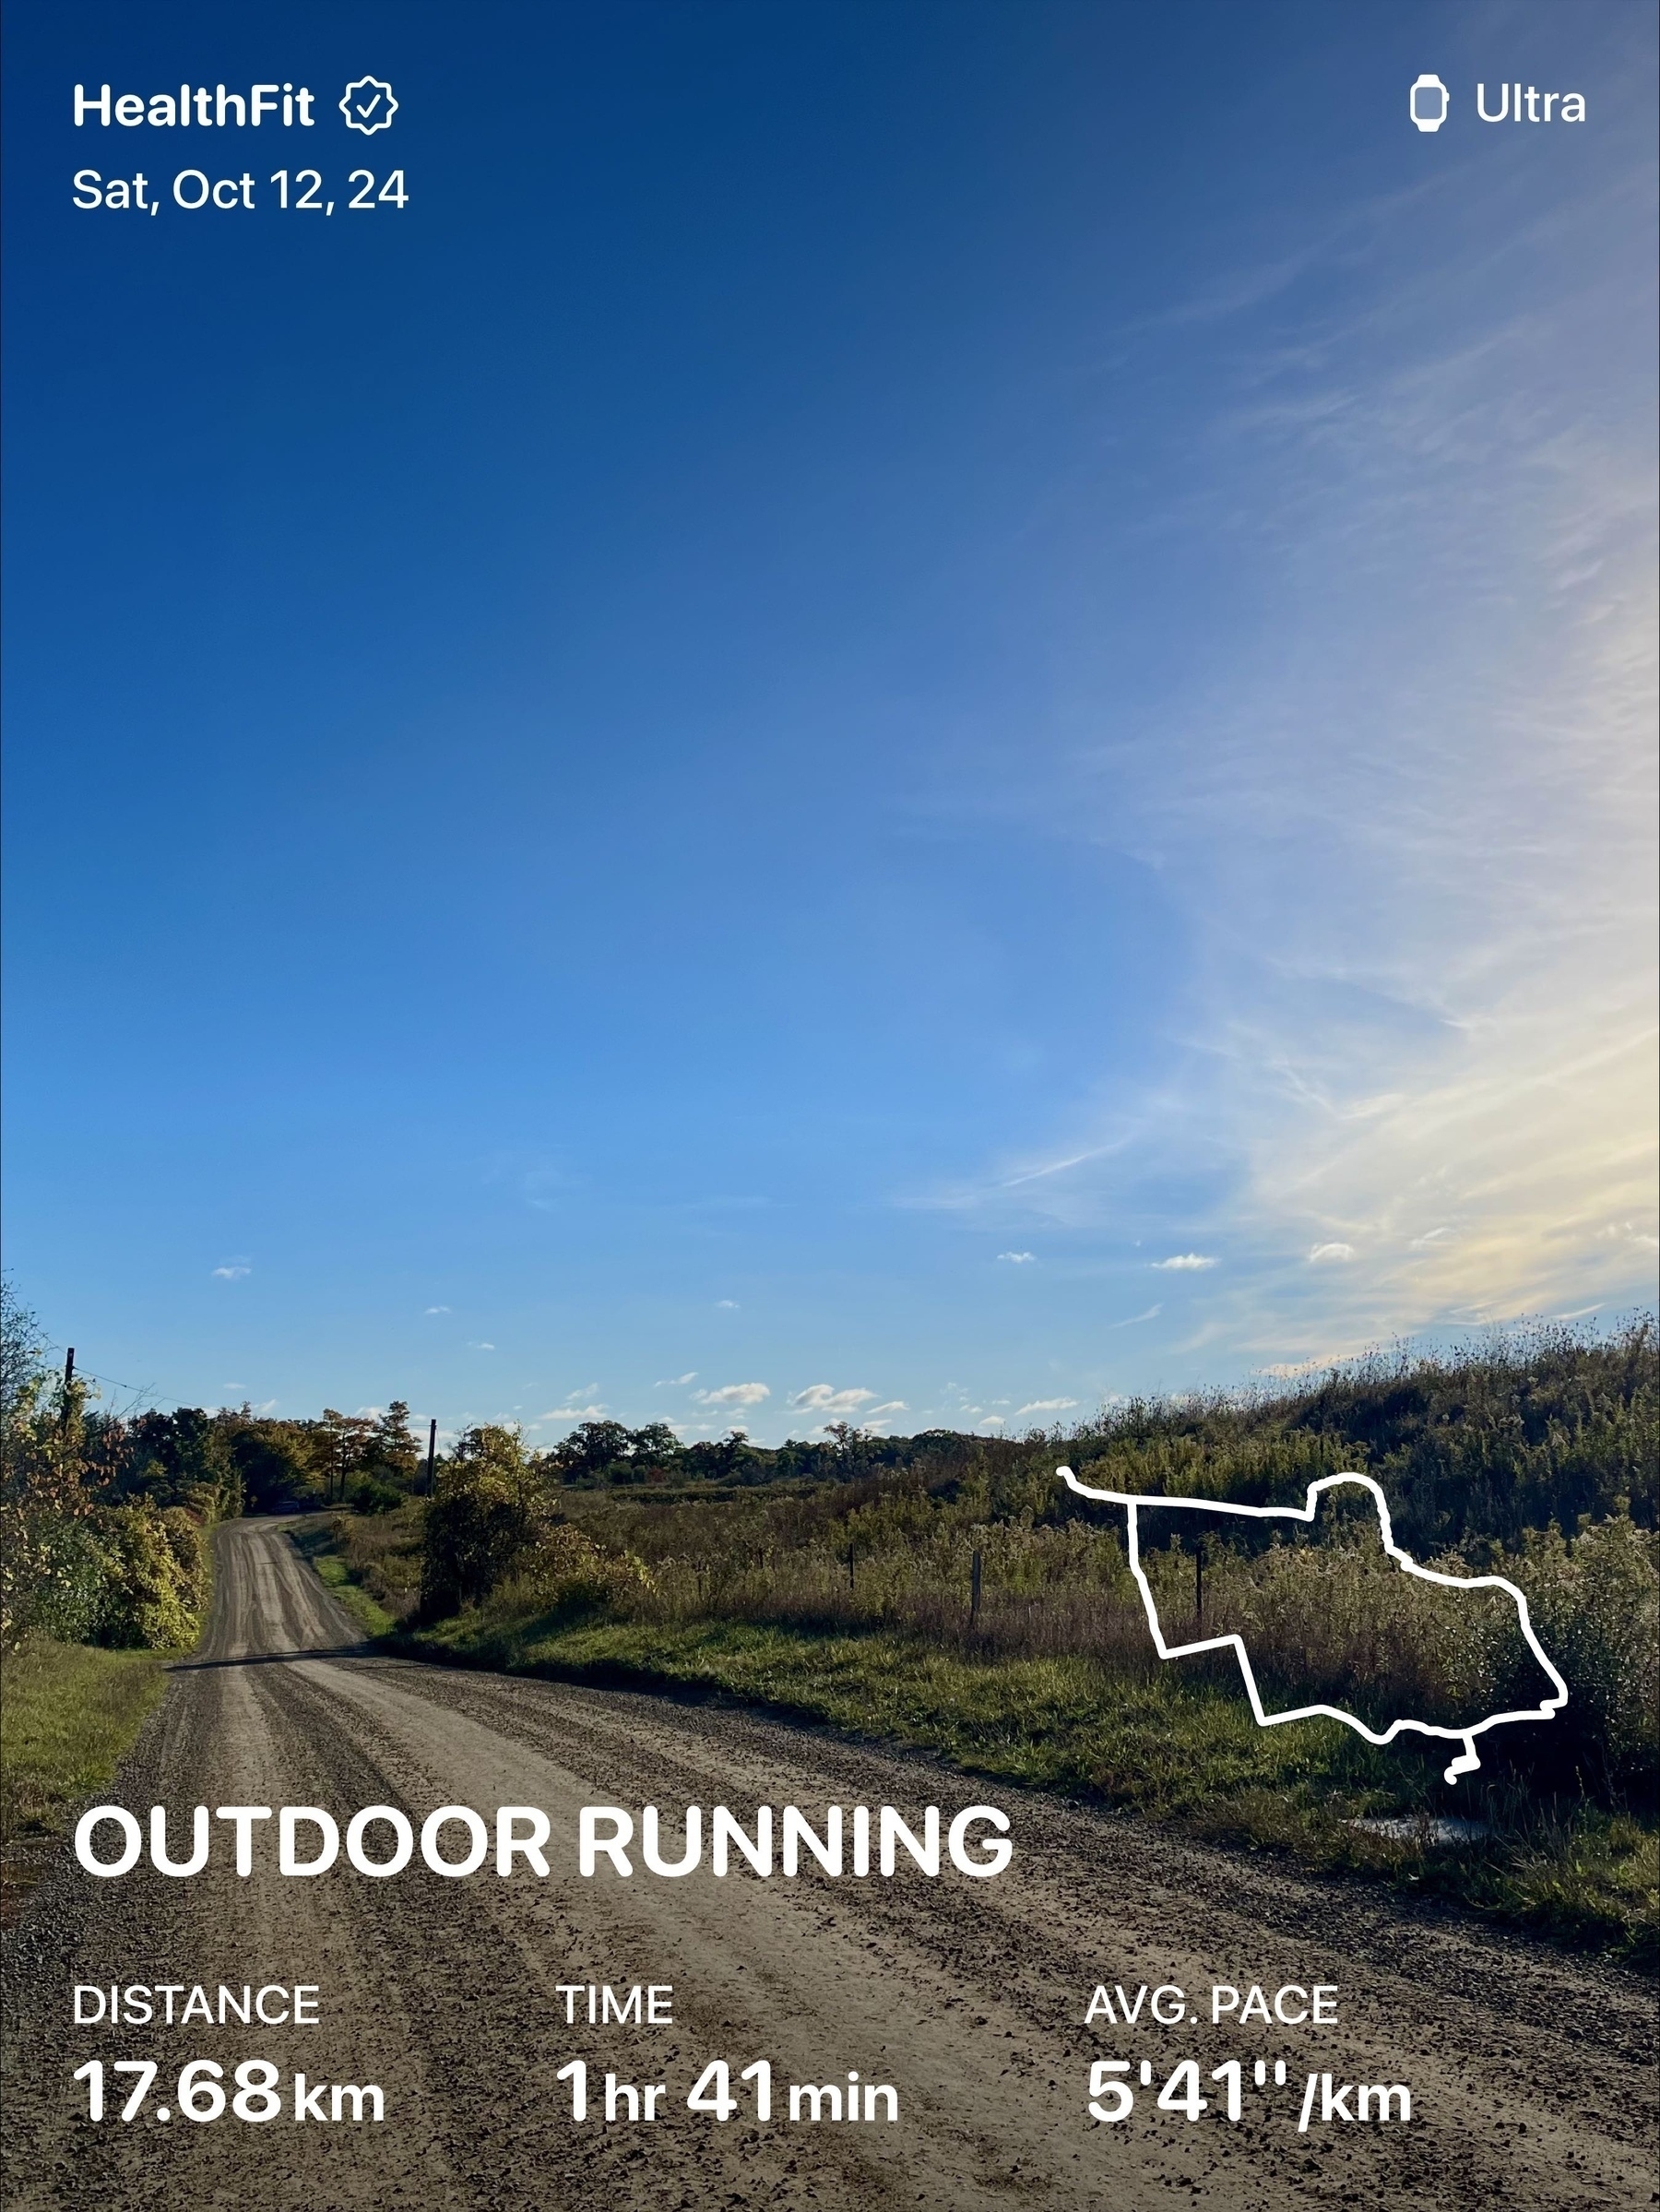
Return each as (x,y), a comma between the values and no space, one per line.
(901,711)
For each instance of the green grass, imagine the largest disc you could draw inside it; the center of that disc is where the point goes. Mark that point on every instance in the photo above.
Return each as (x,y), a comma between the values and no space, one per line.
(317,1544)
(67,1714)
(1183,1751)
(1172,1743)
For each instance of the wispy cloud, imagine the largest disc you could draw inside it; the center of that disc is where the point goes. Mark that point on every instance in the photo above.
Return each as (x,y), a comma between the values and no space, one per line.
(733,1393)
(825,1398)
(573,1413)
(479,1344)
(1627,1232)
(677,1381)
(231,1271)
(1045,1405)
(726,1305)
(1407,831)
(1183,1262)
(437,1309)
(1134,1320)
(1018,1259)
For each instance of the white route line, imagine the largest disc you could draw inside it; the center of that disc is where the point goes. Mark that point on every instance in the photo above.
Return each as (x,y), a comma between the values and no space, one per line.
(1469,1760)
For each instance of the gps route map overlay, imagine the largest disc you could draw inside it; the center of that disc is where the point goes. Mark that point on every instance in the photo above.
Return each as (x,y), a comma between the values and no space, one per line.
(829,1341)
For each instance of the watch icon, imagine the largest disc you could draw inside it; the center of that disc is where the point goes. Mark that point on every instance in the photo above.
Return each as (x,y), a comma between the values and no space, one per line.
(368,105)
(1429,102)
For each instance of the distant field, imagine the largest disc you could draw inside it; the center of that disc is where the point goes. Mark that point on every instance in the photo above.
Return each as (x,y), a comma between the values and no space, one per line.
(1175,1742)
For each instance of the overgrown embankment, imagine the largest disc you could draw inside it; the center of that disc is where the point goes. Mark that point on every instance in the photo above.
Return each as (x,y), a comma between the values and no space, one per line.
(852,1602)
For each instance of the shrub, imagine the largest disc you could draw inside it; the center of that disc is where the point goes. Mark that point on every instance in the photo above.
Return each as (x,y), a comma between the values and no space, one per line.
(1595,1607)
(562,1571)
(373,1495)
(157,1593)
(481,1518)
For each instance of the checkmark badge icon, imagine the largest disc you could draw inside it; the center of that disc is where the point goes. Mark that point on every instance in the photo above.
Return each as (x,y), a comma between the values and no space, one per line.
(368,105)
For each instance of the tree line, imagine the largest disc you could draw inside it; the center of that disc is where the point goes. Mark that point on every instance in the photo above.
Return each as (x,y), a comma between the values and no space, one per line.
(104,1515)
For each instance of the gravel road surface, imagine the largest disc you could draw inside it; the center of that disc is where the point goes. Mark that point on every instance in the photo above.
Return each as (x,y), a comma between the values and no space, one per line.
(1531,2074)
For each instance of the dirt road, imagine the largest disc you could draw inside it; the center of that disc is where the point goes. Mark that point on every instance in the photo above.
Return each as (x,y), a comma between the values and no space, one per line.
(1530,2074)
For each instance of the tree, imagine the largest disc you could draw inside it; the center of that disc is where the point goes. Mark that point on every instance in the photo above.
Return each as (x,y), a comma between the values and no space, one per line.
(591,1450)
(344,1443)
(276,1460)
(652,1451)
(485,1511)
(723,1460)
(178,1458)
(45,1554)
(393,1452)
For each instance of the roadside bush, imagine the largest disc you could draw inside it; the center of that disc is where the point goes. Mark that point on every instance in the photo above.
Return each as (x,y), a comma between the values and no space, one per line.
(158,1593)
(1595,1607)
(384,1552)
(480,1520)
(74,1572)
(565,1571)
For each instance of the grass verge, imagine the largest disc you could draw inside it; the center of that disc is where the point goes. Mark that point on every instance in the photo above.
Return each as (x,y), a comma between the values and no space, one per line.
(1173,1746)
(68,1712)
(317,1542)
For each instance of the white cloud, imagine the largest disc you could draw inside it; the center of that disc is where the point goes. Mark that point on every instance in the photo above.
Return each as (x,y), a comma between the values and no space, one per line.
(232,1271)
(437,1309)
(1407,827)
(1331,1255)
(573,1413)
(1627,1233)
(991,1420)
(726,1305)
(1020,1259)
(1134,1320)
(479,1344)
(677,1381)
(823,1397)
(1047,1405)
(1182,1262)
(733,1393)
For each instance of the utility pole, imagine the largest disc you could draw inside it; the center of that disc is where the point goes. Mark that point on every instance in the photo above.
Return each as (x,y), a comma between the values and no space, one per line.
(432,1453)
(69,1367)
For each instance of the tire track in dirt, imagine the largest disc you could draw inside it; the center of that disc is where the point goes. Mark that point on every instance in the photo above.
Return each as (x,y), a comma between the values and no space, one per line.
(1529,2070)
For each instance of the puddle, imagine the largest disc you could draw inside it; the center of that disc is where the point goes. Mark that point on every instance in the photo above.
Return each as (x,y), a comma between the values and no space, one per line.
(1442,1828)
